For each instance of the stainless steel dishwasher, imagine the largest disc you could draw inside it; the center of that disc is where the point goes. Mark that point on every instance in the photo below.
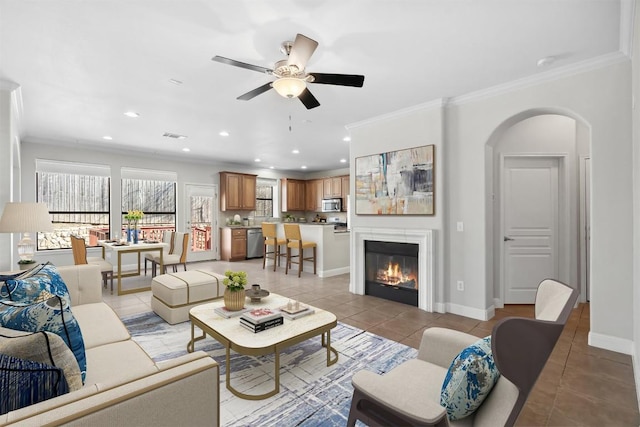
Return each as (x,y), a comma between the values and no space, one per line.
(255,244)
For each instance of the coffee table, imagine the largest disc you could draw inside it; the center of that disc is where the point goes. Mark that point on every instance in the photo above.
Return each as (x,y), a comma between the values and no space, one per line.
(229,333)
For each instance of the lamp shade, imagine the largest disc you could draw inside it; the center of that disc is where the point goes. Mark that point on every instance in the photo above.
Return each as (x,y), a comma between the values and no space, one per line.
(289,87)
(19,217)
(24,218)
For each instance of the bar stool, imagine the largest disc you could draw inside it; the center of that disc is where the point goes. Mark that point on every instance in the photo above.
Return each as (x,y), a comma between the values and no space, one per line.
(294,241)
(270,235)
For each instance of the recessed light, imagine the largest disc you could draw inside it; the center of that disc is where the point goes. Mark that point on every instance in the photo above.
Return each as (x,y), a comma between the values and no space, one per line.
(175,82)
(257,160)
(303,167)
(132,114)
(186,150)
(346,139)
(296,151)
(271,167)
(343,160)
(224,133)
(107,137)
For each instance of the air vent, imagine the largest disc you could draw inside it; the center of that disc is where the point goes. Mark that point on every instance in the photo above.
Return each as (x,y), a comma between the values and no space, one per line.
(174,135)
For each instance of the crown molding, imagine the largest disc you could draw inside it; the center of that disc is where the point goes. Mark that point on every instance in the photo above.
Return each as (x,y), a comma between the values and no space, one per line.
(555,74)
(438,103)
(627,16)
(8,85)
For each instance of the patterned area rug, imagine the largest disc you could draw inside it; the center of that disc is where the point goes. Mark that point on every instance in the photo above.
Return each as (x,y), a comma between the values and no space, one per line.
(311,394)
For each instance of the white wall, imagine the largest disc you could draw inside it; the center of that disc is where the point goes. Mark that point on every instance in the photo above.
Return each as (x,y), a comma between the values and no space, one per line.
(411,128)
(601,98)
(636,193)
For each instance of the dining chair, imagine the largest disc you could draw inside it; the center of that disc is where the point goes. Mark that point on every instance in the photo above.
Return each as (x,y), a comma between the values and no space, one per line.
(270,235)
(79,248)
(294,241)
(179,255)
(168,238)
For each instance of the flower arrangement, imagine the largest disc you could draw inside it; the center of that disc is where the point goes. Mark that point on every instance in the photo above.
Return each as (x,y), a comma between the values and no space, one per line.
(235,280)
(135,216)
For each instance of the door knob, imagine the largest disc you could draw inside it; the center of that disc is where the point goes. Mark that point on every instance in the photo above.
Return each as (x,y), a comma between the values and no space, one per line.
(506,239)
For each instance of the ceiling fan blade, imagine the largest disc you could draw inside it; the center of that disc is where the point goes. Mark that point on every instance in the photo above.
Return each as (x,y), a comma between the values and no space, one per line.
(235,63)
(338,79)
(308,99)
(302,49)
(257,91)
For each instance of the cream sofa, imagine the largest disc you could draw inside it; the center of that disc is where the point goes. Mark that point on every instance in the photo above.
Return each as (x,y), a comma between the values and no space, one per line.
(123,386)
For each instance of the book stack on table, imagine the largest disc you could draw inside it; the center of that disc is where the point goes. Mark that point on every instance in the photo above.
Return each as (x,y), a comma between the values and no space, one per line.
(261,319)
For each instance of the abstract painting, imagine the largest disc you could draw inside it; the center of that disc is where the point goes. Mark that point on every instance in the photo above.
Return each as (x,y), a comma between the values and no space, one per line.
(396,183)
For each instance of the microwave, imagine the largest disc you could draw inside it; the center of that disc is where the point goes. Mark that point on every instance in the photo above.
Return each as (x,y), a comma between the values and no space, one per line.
(331,205)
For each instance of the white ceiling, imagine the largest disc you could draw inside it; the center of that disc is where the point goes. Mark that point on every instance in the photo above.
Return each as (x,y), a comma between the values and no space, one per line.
(82,64)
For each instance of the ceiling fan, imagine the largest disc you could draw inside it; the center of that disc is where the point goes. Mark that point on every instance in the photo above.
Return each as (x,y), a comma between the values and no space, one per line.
(291,77)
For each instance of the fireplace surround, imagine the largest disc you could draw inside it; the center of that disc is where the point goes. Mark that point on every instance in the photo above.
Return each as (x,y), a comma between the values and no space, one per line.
(422,237)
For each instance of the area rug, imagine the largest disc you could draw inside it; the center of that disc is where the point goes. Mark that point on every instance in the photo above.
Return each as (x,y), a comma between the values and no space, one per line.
(311,394)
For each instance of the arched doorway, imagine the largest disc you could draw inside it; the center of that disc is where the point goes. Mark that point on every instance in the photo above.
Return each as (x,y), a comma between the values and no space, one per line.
(537,224)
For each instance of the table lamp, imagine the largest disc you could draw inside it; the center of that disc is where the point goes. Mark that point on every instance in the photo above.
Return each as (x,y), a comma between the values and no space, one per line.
(25,217)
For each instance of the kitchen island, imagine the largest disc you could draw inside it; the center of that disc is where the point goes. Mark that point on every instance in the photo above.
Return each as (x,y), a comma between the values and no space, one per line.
(332,253)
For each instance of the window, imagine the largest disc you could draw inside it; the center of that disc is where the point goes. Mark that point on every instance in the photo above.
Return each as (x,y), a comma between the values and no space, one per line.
(78,197)
(264,197)
(154,193)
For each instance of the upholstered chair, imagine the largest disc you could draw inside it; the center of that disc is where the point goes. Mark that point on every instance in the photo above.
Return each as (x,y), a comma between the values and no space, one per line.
(167,237)
(411,393)
(294,241)
(271,240)
(179,255)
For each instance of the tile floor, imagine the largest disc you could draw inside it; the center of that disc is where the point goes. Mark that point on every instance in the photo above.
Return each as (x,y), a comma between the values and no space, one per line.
(580,385)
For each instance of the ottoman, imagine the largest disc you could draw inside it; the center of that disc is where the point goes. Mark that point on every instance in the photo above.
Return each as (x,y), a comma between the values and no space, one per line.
(174,294)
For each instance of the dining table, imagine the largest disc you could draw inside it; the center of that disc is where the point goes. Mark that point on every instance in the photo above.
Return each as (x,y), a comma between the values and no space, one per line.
(120,248)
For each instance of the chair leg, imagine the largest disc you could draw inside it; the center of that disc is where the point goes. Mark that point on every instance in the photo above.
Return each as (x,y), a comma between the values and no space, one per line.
(301,261)
(145,266)
(185,266)
(276,256)
(112,283)
(264,258)
(314,260)
(287,262)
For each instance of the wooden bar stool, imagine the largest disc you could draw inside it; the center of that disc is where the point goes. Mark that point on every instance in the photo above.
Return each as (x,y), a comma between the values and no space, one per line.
(270,235)
(294,241)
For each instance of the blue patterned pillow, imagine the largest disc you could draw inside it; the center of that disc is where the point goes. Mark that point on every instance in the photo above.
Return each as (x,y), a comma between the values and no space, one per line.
(27,287)
(470,378)
(24,382)
(53,315)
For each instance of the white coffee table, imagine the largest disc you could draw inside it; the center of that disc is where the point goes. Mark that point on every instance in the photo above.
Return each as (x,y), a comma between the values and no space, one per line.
(229,333)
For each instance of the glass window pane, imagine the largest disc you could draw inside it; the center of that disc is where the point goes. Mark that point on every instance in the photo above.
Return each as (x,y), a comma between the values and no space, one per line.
(156,199)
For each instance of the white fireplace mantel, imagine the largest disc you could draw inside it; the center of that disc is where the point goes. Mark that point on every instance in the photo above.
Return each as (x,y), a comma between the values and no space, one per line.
(424,240)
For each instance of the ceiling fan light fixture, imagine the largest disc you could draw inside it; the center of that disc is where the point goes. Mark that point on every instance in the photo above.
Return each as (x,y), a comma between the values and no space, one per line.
(289,87)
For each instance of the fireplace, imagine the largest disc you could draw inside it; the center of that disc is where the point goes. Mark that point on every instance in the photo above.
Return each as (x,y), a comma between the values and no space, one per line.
(391,271)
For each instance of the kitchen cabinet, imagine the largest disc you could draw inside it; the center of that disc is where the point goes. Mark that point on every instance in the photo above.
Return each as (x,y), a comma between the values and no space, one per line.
(314,195)
(345,187)
(233,244)
(332,188)
(292,195)
(237,191)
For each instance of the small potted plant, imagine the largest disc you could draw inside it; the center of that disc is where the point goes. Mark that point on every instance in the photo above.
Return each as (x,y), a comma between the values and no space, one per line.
(25,264)
(234,294)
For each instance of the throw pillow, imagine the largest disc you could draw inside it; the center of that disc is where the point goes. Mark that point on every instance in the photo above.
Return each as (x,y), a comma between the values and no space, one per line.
(470,378)
(27,287)
(24,382)
(53,315)
(42,347)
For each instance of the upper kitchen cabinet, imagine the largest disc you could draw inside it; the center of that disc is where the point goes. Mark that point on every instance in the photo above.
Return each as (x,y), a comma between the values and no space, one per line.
(345,185)
(332,187)
(314,194)
(237,191)
(293,195)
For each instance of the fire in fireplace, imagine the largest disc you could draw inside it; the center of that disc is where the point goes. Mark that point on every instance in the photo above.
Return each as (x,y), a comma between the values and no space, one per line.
(391,271)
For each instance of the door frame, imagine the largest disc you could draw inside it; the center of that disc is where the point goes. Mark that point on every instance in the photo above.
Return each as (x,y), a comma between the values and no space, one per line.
(563,239)
(215,235)
(585,228)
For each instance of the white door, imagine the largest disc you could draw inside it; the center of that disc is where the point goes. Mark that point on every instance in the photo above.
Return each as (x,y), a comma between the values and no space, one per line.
(201,214)
(530,226)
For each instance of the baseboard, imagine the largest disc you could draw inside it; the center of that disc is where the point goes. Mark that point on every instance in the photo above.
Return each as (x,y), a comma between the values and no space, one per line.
(440,307)
(635,358)
(611,343)
(474,313)
(334,272)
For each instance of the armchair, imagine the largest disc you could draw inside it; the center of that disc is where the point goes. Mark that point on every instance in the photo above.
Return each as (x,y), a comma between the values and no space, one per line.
(410,393)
